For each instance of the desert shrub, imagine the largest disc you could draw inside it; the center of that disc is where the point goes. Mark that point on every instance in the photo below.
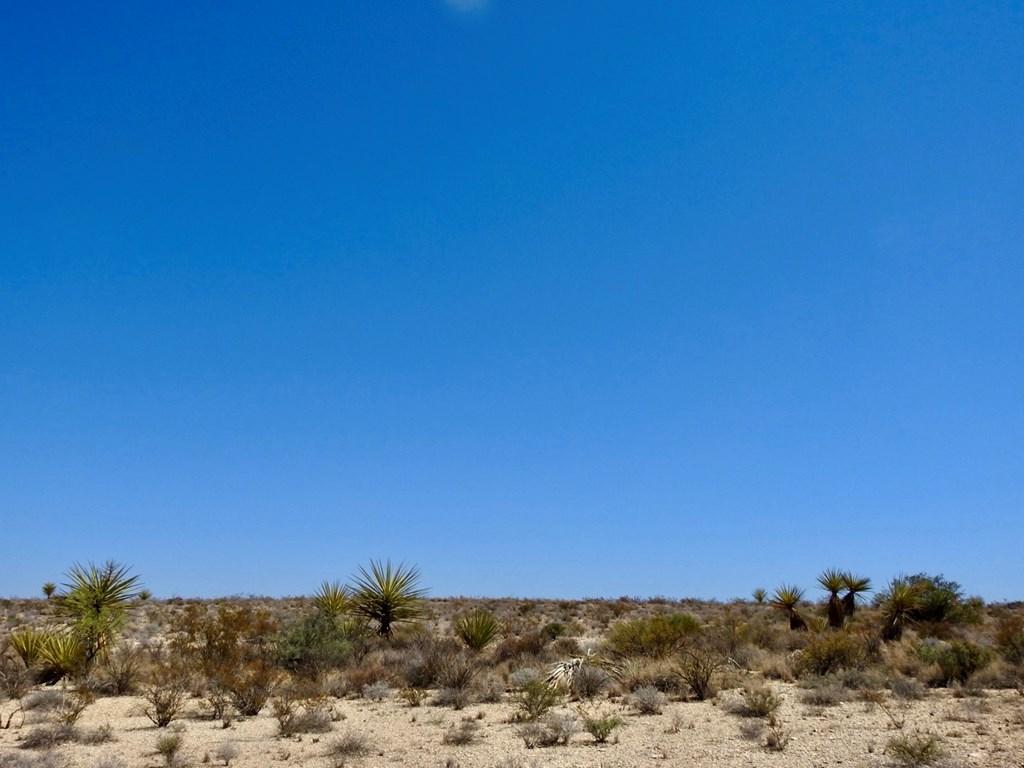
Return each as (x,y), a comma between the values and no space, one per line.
(414,697)
(108,761)
(831,651)
(456,698)
(656,637)
(552,730)
(823,692)
(297,714)
(477,629)
(169,747)
(165,693)
(697,670)
(15,678)
(913,751)
(776,734)
(104,734)
(348,746)
(647,700)
(250,687)
(314,645)
(377,691)
(960,659)
(226,752)
(120,671)
(906,688)
(220,644)
(601,726)
(534,700)
(466,732)
(520,677)
(357,678)
(760,701)
(455,670)
(522,647)
(49,736)
(1009,638)
(942,600)
(588,682)
(72,705)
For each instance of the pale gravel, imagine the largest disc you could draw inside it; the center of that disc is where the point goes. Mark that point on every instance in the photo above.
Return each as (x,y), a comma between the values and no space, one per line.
(975,732)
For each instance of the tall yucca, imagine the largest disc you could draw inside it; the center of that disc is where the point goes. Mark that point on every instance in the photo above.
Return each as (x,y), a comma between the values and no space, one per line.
(387,594)
(787,598)
(832,580)
(899,603)
(95,598)
(854,585)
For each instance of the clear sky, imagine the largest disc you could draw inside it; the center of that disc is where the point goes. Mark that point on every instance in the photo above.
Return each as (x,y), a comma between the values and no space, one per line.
(550,299)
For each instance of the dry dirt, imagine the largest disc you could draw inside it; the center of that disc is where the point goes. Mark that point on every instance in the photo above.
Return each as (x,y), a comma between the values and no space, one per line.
(985,730)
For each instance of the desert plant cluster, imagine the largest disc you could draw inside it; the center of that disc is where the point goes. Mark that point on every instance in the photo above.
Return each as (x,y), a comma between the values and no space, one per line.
(97,673)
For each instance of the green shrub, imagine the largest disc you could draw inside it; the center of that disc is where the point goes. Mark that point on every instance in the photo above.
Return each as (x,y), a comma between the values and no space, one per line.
(657,637)
(829,652)
(601,726)
(916,750)
(760,701)
(1009,638)
(961,659)
(534,700)
(697,671)
(320,643)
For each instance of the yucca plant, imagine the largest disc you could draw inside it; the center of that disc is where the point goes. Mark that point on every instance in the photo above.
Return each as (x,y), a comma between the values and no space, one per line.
(786,598)
(333,598)
(477,629)
(832,581)
(387,595)
(61,656)
(759,596)
(28,643)
(899,603)
(48,589)
(854,585)
(95,599)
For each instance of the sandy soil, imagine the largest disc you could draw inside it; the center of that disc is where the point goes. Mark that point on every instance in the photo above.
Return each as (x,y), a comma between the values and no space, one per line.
(974,731)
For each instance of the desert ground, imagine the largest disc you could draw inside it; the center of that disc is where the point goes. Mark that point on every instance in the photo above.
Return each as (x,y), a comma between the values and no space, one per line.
(774,695)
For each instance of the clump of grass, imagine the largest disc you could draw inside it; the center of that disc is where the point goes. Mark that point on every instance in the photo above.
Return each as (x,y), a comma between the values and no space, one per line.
(170,748)
(349,746)
(913,751)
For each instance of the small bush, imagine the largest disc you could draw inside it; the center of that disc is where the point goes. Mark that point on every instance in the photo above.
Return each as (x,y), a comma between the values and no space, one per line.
(377,691)
(647,700)
(169,747)
(534,700)
(548,732)
(760,702)
(829,652)
(601,726)
(588,682)
(776,735)
(456,698)
(657,637)
(697,671)
(300,715)
(226,752)
(250,687)
(916,750)
(825,693)
(49,736)
(961,659)
(350,745)
(165,698)
(466,732)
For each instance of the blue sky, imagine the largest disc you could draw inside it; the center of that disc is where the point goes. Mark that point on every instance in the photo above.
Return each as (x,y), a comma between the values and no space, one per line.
(549,299)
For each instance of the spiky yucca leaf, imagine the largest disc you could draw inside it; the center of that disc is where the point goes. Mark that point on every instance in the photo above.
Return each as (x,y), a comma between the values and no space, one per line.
(786,598)
(28,643)
(854,585)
